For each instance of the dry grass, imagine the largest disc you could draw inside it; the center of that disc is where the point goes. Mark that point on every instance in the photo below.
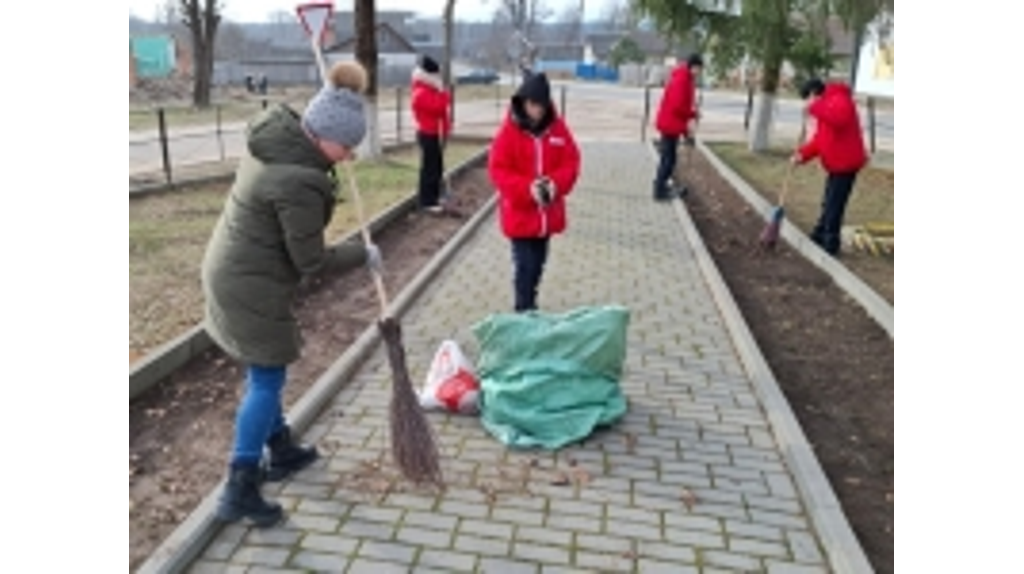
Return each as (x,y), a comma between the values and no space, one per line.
(238,106)
(872,202)
(168,235)
(232,106)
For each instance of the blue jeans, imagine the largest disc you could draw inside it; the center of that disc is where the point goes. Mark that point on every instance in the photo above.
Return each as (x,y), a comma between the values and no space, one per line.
(260,415)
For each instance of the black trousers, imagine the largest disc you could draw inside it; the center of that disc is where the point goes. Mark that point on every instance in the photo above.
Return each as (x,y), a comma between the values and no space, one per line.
(431,170)
(667,164)
(529,257)
(828,232)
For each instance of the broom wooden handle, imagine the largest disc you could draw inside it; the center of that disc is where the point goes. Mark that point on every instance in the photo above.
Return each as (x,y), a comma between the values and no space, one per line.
(789,169)
(378,281)
(785,184)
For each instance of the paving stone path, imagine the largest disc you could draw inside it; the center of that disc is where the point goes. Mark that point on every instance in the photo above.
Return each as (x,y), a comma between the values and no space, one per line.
(692,480)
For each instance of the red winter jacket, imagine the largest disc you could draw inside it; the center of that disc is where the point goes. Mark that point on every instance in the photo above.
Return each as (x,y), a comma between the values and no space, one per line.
(678,103)
(519,154)
(838,139)
(430,104)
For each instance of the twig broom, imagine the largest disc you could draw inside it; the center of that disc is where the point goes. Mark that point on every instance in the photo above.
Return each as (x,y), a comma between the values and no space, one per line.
(413,445)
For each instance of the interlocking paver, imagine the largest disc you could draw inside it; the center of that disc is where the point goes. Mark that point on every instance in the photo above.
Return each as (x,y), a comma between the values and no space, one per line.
(695,427)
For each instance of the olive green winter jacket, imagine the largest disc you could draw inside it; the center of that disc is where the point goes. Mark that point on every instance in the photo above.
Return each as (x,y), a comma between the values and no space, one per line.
(270,234)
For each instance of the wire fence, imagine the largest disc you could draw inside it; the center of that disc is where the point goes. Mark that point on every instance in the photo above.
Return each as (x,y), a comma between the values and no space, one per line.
(167,143)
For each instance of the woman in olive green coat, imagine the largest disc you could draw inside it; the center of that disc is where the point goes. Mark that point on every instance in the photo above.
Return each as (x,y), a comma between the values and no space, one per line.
(270,235)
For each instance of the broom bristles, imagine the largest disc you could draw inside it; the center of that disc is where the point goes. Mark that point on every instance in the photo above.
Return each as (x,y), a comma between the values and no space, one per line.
(413,446)
(770,234)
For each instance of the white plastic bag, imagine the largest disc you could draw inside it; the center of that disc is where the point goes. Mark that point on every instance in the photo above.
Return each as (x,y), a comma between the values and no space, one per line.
(452,385)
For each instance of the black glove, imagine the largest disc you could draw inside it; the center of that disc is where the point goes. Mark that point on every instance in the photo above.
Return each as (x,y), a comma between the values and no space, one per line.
(543,191)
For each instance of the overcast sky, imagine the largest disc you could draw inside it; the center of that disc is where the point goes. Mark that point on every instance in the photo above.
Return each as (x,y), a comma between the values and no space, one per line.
(259,10)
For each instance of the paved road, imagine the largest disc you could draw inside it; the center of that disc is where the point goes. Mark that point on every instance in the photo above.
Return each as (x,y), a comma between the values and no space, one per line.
(619,109)
(697,432)
(729,104)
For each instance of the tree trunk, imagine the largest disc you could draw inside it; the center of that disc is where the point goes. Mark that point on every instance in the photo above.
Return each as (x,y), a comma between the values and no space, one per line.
(200,81)
(366,54)
(202,22)
(761,135)
(449,32)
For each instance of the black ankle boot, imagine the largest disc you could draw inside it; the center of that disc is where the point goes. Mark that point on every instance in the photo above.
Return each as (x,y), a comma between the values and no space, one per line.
(286,457)
(662,192)
(241,499)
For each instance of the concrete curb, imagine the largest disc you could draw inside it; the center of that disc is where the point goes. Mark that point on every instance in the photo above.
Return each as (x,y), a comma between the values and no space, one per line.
(188,541)
(836,536)
(876,307)
(165,360)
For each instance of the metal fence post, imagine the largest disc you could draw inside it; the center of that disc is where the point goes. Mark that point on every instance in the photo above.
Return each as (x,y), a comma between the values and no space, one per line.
(497,100)
(750,109)
(220,133)
(451,112)
(647,114)
(565,112)
(873,125)
(398,113)
(164,146)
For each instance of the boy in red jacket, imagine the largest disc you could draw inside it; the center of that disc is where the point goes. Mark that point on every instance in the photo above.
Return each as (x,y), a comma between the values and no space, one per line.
(838,143)
(677,109)
(430,104)
(534,164)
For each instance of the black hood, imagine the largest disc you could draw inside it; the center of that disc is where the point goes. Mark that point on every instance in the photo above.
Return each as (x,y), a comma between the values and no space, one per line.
(535,88)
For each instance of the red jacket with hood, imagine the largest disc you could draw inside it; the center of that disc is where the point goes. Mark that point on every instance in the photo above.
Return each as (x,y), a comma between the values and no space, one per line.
(838,139)
(430,104)
(678,103)
(521,152)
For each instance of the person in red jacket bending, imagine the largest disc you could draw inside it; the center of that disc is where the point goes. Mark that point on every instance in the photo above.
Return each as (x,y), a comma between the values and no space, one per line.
(430,104)
(677,109)
(534,163)
(838,143)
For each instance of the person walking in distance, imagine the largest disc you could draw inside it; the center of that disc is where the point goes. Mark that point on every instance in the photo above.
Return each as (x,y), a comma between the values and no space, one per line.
(534,164)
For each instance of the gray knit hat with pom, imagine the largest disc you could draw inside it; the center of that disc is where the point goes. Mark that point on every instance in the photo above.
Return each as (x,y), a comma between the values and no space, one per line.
(336,115)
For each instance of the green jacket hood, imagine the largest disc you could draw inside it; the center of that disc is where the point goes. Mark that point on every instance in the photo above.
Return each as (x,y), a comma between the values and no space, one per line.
(276,136)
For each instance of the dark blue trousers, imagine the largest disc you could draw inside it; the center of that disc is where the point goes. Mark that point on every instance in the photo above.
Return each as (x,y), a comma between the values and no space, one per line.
(828,232)
(529,257)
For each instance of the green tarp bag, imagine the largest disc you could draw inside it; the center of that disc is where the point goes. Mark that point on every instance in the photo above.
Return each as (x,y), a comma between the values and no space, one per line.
(550,380)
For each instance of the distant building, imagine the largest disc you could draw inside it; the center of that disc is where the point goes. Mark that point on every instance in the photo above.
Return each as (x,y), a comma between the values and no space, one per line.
(396,56)
(157,57)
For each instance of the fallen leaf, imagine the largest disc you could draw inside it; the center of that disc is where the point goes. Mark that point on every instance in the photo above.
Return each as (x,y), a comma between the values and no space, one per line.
(688,498)
(581,477)
(560,479)
(630,440)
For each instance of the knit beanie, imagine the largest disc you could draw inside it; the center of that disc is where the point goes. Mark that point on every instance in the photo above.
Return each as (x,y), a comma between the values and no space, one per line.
(336,113)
